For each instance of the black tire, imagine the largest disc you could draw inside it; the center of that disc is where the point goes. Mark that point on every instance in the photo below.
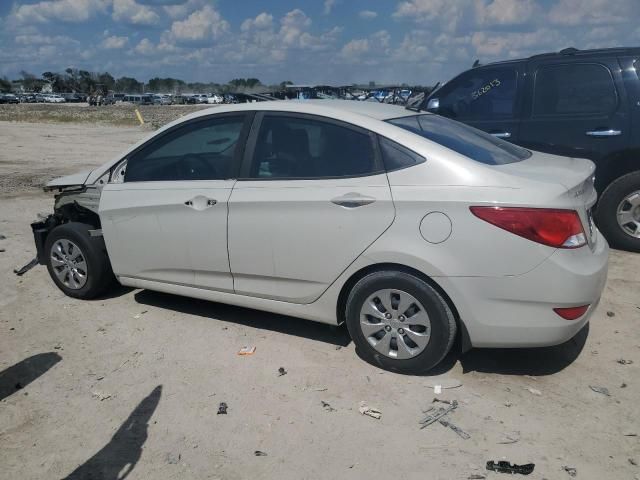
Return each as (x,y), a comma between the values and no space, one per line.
(443,323)
(99,275)
(607,212)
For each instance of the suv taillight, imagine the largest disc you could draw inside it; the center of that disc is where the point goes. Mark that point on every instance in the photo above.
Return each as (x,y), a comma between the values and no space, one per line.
(555,228)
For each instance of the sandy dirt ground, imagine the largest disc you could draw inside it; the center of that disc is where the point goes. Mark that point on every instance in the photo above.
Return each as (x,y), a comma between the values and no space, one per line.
(130,384)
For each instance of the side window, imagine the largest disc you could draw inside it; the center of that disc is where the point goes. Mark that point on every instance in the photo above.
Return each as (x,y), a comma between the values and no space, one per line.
(577,88)
(296,147)
(395,156)
(201,150)
(483,94)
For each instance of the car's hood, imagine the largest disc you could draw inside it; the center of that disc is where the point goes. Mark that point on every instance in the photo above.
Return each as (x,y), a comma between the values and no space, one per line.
(75,179)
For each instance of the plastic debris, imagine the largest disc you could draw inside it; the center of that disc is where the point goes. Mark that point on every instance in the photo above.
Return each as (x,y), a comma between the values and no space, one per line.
(101,395)
(445,383)
(437,389)
(624,361)
(611,314)
(259,453)
(370,411)
(633,462)
(281,371)
(222,409)
(534,391)
(506,467)
(601,390)
(508,439)
(570,470)
(22,270)
(247,351)
(327,406)
(476,476)
(2,237)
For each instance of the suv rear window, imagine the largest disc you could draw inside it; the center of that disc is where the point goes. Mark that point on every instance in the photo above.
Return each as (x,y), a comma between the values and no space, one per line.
(465,140)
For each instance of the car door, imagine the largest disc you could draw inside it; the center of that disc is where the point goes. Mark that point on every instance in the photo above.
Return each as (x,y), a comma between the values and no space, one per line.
(486,98)
(167,221)
(312,196)
(577,108)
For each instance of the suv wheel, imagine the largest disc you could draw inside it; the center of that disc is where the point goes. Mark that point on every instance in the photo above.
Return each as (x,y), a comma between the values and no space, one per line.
(399,322)
(618,213)
(78,262)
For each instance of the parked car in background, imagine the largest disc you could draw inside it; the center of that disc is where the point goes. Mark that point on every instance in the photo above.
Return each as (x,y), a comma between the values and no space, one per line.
(215,99)
(52,98)
(409,227)
(574,103)
(72,97)
(8,98)
(200,98)
(159,99)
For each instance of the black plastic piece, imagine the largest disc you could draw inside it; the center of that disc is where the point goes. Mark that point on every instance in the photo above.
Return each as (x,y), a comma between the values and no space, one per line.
(506,467)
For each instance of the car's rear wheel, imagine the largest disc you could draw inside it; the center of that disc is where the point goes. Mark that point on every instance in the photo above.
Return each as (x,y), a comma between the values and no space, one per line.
(399,322)
(618,213)
(77,262)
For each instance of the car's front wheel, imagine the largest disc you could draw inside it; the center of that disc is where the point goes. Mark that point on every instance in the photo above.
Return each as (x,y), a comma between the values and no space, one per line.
(618,213)
(77,262)
(399,322)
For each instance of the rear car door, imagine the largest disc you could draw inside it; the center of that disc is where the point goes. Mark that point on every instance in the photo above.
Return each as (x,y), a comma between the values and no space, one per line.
(577,109)
(312,196)
(167,221)
(486,98)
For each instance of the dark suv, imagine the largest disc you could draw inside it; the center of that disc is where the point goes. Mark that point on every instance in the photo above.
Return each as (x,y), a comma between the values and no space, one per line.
(576,103)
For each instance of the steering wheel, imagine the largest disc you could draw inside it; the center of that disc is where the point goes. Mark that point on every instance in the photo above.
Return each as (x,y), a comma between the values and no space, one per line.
(194,167)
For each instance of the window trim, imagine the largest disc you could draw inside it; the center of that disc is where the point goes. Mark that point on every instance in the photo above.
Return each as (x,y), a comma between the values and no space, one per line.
(577,114)
(379,138)
(237,157)
(252,141)
(515,112)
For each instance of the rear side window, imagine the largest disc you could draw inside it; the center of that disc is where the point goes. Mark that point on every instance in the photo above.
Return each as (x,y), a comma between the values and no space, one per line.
(468,141)
(203,150)
(395,156)
(483,94)
(574,89)
(297,147)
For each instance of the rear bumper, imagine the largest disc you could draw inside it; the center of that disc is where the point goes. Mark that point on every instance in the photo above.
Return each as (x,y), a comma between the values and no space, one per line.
(517,311)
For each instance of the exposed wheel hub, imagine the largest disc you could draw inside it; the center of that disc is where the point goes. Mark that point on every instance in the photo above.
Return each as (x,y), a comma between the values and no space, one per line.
(395,323)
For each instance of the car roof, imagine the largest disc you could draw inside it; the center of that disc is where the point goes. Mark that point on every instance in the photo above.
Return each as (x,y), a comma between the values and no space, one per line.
(570,53)
(329,108)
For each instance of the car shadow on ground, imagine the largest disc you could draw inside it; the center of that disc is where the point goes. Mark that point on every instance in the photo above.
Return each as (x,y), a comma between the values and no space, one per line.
(26,371)
(116,459)
(245,316)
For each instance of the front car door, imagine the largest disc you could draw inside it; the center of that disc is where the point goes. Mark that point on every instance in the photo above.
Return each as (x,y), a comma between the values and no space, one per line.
(312,196)
(167,221)
(486,98)
(578,109)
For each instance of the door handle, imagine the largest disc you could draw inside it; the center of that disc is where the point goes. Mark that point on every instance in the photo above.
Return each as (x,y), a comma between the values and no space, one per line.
(501,134)
(604,133)
(352,200)
(200,202)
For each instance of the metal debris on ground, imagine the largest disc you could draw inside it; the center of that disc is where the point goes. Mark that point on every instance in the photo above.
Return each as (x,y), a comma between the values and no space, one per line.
(445,383)
(247,351)
(101,395)
(222,409)
(611,314)
(601,390)
(624,361)
(370,411)
(570,470)
(506,467)
(461,433)
(281,371)
(534,391)
(434,414)
(21,271)
(327,406)
(138,315)
(508,439)
(259,453)
(476,476)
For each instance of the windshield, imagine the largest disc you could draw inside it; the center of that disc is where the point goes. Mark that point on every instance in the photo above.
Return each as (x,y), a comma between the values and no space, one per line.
(467,141)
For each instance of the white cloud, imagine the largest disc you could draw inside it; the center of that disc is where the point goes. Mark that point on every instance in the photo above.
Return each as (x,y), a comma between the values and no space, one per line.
(506,12)
(203,24)
(328,6)
(442,14)
(130,11)
(367,14)
(61,10)
(115,42)
(37,39)
(145,47)
(261,22)
(180,10)
(593,12)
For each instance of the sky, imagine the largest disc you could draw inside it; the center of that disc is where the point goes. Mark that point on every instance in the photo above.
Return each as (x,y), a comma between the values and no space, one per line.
(308,41)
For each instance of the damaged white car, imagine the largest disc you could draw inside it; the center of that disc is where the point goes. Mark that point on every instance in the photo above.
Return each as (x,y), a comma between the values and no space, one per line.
(411,228)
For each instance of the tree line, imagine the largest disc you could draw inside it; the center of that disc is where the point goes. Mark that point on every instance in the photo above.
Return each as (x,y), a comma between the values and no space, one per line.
(83,81)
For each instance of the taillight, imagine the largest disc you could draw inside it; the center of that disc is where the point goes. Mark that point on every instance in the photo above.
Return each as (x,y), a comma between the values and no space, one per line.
(555,228)
(571,313)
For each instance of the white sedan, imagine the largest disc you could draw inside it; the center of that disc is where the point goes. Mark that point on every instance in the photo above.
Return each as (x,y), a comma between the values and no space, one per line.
(411,228)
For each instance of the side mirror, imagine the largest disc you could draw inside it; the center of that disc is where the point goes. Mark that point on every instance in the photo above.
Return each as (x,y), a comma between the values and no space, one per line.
(433,104)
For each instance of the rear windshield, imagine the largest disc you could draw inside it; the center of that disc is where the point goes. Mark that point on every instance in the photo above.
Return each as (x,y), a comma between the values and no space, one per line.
(461,138)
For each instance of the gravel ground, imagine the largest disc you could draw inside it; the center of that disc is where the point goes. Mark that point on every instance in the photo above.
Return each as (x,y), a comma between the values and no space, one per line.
(132,382)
